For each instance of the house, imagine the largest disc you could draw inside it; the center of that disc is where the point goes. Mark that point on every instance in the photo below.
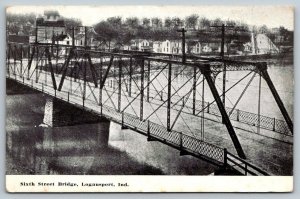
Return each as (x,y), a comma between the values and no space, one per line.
(157,46)
(172,47)
(262,44)
(206,48)
(195,48)
(141,45)
(63,39)
(212,47)
(247,47)
(91,37)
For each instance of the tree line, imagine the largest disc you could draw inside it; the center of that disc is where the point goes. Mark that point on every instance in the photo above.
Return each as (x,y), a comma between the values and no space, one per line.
(124,30)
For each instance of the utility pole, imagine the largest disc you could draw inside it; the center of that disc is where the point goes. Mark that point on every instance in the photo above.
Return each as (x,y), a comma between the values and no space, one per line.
(85,37)
(222,57)
(182,31)
(73,37)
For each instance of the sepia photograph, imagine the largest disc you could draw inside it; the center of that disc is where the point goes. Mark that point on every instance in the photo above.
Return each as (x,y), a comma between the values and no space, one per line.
(107,98)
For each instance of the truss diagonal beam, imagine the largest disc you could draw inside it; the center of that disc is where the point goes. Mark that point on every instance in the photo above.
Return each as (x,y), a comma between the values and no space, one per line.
(280,104)
(93,70)
(66,65)
(107,71)
(207,73)
(51,68)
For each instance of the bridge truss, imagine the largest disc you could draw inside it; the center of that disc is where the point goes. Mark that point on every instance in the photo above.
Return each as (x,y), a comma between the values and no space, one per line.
(146,92)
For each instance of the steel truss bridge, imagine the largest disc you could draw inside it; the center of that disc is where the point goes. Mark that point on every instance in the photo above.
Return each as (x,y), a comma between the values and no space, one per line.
(144,92)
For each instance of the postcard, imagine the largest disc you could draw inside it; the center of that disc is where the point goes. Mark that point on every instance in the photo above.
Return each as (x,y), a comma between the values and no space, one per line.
(149,98)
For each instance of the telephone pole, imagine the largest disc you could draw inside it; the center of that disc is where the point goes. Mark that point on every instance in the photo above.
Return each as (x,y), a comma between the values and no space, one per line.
(182,31)
(222,56)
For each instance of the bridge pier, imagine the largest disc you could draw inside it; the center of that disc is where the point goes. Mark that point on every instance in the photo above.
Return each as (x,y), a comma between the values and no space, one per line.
(59,114)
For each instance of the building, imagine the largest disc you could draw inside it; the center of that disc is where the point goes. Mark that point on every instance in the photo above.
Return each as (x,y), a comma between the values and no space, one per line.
(157,46)
(49,26)
(172,47)
(262,44)
(63,39)
(247,47)
(141,45)
(91,38)
(206,48)
(195,48)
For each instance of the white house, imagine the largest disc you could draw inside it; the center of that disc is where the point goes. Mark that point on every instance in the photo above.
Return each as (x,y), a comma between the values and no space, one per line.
(172,47)
(157,46)
(64,40)
(196,48)
(247,47)
(91,37)
(264,45)
(140,44)
(206,48)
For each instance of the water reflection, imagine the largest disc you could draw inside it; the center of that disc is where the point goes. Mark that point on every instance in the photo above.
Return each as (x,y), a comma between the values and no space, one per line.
(83,149)
(69,150)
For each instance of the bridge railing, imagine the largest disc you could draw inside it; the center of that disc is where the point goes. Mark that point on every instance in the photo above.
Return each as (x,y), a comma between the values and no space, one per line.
(242,166)
(251,119)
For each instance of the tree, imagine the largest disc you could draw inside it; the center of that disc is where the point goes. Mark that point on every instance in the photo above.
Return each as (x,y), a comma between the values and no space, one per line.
(146,22)
(217,22)
(191,21)
(106,31)
(156,22)
(177,22)
(263,29)
(204,23)
(168,23)
(132,22)
(16,21)
(70,23)
(115,21)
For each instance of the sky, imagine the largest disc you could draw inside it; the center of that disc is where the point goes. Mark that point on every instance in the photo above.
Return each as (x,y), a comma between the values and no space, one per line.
(272,16)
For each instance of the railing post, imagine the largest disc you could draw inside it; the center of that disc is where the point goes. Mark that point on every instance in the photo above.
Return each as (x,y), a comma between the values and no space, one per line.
(148,128)
(208,107)
(246,171)
(122,122)
(31,82)
(180,144)
(237,115)
(68,96)
(225,157)
(55,92)
(42,87)
(161,96)
(274,124)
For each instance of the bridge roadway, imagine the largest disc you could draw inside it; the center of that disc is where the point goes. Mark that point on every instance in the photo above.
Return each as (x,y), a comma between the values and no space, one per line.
(269,154)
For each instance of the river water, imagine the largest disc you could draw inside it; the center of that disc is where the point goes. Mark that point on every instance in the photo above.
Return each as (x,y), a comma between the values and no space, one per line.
(32,149)
(77,150)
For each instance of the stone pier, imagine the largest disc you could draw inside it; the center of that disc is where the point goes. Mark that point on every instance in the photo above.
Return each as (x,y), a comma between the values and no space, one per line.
(62,114)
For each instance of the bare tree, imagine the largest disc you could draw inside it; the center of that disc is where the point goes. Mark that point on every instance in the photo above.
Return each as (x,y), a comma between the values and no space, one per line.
(168,23)
(146,22)
(115,21)
(191,21)
(204,23)
(177,22)
(156,22)
(132,22)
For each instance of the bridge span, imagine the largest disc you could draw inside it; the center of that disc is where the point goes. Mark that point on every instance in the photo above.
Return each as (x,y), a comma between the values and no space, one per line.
(176,103)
